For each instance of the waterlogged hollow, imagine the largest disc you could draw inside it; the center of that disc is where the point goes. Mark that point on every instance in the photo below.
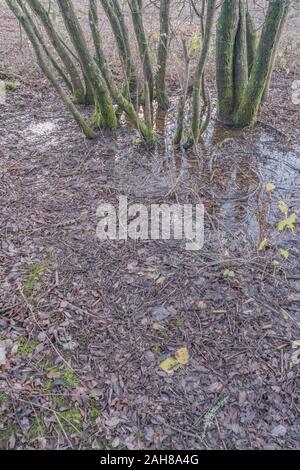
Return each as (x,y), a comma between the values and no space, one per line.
(228,173)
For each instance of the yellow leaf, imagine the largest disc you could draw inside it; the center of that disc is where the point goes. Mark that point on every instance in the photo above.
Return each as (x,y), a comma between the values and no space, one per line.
(201,304)
(160,280)
(283,207)
(270,187)
(288,223)
(169,365)
(157,327)
(150,273)
(182,356)
(284,253)
(228,273)
(263,244)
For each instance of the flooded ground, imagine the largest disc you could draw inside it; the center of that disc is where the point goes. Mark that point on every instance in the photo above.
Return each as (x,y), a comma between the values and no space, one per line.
(239,175)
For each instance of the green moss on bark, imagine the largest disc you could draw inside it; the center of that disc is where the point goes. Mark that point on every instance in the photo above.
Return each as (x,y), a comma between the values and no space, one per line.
(226,32)
(247,111)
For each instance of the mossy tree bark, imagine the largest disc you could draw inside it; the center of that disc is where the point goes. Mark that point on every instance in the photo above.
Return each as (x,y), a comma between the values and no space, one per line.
(59,69)
(275,50)
(42,14)
(251,41)
(183,98)
(119,28)
(198,83)
(136,7)
(240,57)
(105,115)
(228,23)
(246,113)
(20,14)
(244,69)
(162,56)
(125,105)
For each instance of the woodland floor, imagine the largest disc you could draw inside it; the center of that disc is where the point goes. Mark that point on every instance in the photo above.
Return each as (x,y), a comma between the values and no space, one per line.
(80,317)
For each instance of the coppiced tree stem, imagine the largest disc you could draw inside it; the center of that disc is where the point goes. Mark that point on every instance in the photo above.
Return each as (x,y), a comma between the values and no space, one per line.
(124,104)
(138,24)
(107,118)
(226,33)
(21,16)
(211,8)
(42,14)
(162,56)
(246,114)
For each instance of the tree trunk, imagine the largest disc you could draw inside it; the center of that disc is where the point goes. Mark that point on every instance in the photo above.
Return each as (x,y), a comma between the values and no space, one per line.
(42,14)
(240,57)
(122,102)
(275,50)
(248,109)
(138,24)
(226,33)
(182,100)
(107,117)
(251,42)
(211,8)
(161,94)
(21,16)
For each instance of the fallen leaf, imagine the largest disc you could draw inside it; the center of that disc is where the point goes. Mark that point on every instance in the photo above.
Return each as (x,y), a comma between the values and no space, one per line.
(160,280)
(284,253)
(157,327)
(263,244)
(215,387)
(283,207)
(169,365)
(201,304)
(150,273)
(162,312)
(288,223)
(228,273)
(270,187)
(54,374)
(182,356)
(279,430)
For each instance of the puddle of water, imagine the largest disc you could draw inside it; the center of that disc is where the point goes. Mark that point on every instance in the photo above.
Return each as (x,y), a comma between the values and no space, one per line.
(228,172)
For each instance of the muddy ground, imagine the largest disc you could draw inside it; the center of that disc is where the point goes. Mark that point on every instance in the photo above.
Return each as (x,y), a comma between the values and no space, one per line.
(87,323)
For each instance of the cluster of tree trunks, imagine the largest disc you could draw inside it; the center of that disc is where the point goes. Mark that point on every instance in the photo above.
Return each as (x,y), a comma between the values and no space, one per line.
(244,63)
